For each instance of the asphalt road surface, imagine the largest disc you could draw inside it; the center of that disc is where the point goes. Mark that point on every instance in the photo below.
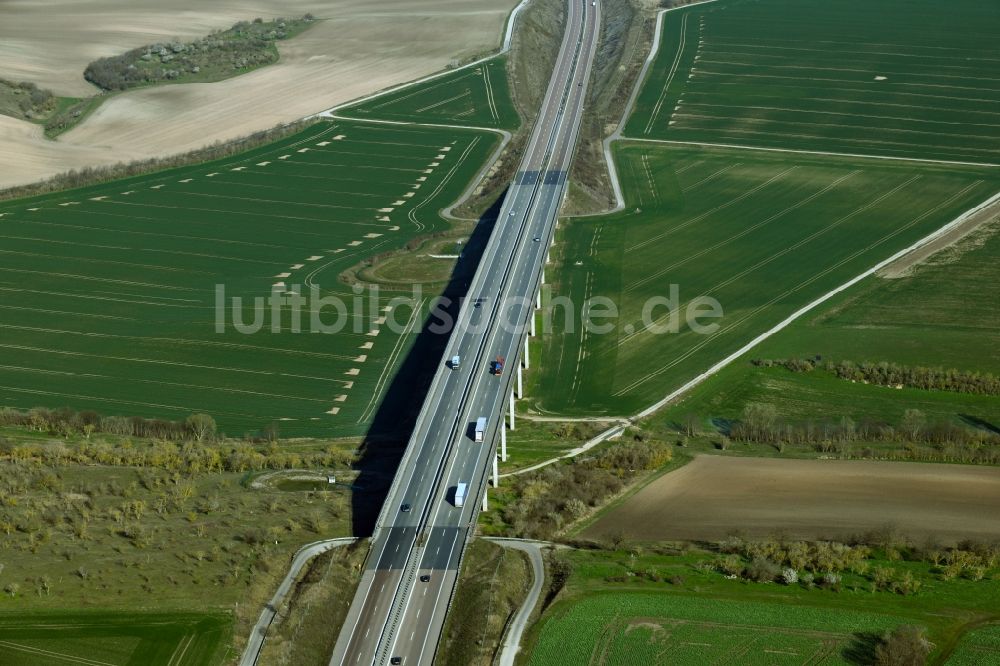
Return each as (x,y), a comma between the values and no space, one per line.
(515,630)
(394,613)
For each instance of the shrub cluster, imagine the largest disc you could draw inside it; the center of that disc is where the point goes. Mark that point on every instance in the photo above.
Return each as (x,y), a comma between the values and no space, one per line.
(824,563)
(767,558)
(556,495)
(30,100)
(245,45)
(903,646)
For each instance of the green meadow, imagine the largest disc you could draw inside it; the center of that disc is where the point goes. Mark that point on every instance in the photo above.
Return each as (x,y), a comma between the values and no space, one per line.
(636,628)
(638,606)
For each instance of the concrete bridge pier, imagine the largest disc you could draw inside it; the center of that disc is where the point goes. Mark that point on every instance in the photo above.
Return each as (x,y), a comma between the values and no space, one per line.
(503,444)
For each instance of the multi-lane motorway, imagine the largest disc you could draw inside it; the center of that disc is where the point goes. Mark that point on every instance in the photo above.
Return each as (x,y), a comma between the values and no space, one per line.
(399,609)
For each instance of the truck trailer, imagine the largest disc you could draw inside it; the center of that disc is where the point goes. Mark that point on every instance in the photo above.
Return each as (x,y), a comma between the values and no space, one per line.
(460,491)
(481,429)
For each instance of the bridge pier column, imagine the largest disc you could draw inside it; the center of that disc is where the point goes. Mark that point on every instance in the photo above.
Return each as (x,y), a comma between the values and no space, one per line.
(511,410)
(486,490)
(520,385)
(496,473)
(540,293)
(538,299)
(524,358)
(503,444)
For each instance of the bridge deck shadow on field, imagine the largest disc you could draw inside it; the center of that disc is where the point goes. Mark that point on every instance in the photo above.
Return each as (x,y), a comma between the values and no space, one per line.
(383,445)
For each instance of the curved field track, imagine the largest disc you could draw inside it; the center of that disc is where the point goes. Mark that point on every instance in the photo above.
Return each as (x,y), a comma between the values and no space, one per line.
(714,496)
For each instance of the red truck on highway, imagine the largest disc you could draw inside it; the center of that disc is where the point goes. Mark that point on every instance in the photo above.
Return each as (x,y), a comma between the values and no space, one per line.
(496,367)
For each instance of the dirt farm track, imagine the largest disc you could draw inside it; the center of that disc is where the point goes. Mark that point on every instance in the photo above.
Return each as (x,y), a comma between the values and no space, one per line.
(714,496)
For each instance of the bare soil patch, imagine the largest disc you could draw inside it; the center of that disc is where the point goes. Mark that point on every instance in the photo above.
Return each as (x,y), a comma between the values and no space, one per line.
(715,496)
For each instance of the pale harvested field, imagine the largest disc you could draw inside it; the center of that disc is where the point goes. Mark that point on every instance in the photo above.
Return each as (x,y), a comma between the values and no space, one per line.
(360,47)
(51,41)
(714,496)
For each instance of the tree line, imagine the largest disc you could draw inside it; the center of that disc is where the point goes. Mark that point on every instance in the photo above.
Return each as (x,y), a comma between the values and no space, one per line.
(186,458)
(66,422)
(189,446)
(895,375)
(761,423)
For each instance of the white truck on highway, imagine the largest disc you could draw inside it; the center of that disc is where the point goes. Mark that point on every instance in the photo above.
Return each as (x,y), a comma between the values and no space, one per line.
(460,491)
(480,428)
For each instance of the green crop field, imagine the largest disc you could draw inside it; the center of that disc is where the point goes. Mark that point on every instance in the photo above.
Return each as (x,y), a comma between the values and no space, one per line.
(922,319)
(978,647)
(475,97)
(650,628)
(112,639)
(109,292)
(763,234)
(905,78)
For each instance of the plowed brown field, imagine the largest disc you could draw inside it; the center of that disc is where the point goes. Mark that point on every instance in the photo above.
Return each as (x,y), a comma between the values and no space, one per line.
(714,496)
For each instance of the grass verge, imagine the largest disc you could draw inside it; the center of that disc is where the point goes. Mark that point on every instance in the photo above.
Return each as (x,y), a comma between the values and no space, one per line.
(304,632)
(491,587)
